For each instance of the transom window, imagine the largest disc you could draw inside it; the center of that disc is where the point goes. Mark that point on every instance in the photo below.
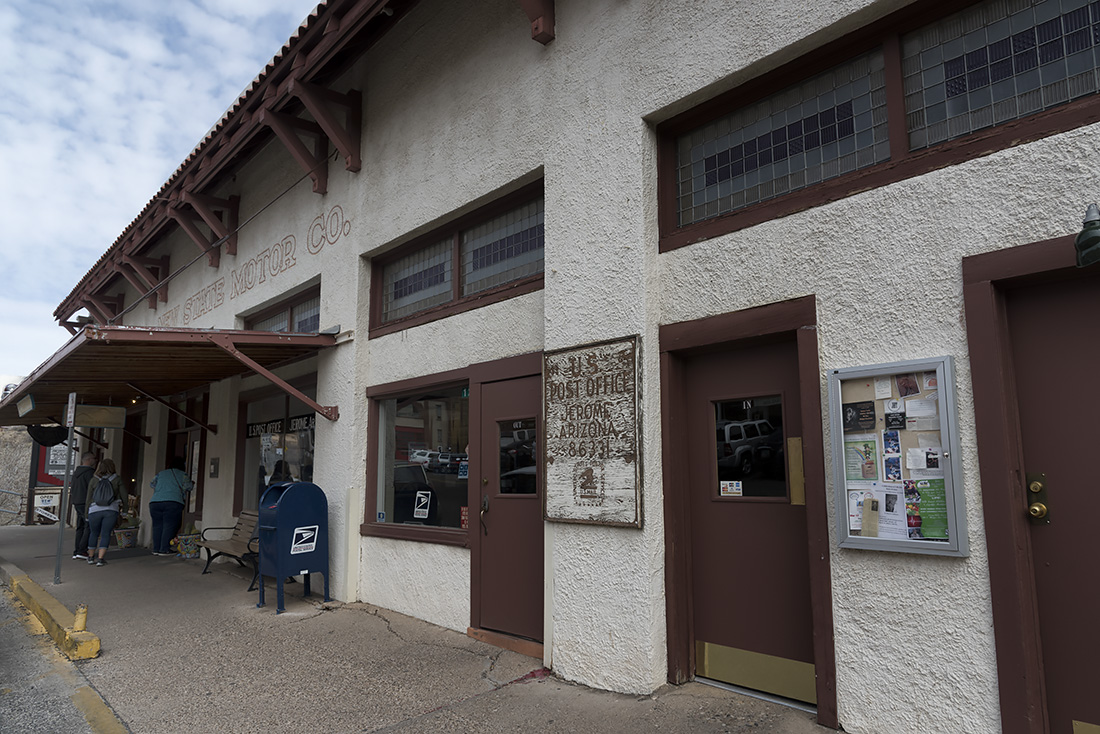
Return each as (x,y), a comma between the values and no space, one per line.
(998,62)
(830,124)
(480,258)
(891,94)
(300,314)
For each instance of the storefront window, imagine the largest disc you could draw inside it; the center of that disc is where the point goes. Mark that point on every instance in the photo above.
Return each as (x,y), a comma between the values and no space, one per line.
(278,447)
(423,458)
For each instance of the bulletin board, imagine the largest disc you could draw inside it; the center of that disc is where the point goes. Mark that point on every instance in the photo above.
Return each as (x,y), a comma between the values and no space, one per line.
(896,459)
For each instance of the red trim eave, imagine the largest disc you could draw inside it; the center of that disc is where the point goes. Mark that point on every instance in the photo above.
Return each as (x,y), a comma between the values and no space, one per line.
(139,334)
(320,42)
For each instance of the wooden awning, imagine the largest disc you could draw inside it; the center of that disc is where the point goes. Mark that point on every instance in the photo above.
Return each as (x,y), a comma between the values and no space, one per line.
(115,365)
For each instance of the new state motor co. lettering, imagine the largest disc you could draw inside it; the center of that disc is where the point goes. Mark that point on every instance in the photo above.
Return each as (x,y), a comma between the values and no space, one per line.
(590,403)
(270,263)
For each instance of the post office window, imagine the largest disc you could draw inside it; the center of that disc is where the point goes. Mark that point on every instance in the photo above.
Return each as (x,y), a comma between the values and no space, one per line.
(423,458)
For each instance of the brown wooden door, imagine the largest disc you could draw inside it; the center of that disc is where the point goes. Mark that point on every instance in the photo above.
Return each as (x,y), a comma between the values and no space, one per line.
(1055,338)
(510,522)
(750,569)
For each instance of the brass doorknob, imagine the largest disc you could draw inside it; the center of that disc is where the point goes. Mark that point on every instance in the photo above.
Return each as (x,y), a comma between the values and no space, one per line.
(1037,510)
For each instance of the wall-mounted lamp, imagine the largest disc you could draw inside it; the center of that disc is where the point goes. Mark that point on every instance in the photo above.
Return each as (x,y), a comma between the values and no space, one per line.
(1088,241)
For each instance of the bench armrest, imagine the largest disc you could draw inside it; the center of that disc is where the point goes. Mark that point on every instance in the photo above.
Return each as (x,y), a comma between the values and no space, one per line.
(206,530)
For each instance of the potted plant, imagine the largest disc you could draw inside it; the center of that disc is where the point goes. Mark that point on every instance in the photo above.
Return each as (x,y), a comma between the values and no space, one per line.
(127,529)
(187,541)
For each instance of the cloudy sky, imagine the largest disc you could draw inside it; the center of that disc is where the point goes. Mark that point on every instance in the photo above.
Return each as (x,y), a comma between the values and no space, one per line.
(100,101)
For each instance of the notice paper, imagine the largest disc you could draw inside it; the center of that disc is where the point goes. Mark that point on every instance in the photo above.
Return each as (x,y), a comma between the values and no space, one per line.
(920,415)
(891,511)
(861,457)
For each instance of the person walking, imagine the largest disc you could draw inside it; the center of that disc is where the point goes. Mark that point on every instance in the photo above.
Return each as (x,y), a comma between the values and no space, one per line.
(170,488)
(78,496)
(103,508)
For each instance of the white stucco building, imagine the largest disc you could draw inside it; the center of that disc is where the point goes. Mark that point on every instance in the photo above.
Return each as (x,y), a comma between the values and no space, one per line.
(744,197)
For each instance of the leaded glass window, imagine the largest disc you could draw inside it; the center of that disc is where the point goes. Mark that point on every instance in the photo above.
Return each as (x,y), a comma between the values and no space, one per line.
(997,62)
(831,124)
(503,249)
(417,281)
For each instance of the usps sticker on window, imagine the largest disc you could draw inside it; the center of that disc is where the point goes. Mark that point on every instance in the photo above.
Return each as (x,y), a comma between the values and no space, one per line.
(304,540)
(730,489)
(423,503)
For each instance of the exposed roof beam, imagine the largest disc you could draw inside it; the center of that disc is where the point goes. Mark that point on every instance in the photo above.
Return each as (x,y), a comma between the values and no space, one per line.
(314,163)
(186,221)
(136,282)
(153,279)
(541,15)
(346,137)
(207,206)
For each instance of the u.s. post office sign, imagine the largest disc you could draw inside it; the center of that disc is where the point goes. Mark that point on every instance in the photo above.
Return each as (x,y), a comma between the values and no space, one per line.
(592,447)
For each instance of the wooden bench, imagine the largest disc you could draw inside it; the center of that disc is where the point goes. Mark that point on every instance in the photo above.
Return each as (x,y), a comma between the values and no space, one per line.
(242,545)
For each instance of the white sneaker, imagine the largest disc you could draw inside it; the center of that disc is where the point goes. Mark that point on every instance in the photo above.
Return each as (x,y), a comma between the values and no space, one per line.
(81,556)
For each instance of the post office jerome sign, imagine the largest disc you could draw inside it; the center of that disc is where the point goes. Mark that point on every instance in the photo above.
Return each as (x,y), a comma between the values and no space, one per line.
(592,449)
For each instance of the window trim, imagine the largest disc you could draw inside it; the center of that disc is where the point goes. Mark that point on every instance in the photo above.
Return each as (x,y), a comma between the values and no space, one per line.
(903,163)
(458,303)
(375,395)
(286,306)
(474,376)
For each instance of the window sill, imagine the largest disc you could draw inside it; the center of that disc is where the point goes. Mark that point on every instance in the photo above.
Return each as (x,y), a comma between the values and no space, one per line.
(495,295)
(418,533)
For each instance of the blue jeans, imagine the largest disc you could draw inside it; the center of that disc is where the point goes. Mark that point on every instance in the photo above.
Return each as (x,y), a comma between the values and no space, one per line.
(167,516)
(100,525)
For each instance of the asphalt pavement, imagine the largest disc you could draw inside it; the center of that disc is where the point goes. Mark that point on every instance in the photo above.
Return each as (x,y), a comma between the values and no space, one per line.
(186,652)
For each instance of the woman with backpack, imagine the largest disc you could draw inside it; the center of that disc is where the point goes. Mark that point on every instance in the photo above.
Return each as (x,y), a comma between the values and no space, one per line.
(104,500)
(166,505)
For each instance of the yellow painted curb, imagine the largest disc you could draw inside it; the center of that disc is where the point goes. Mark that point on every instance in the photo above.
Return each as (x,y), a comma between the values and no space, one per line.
(53,615)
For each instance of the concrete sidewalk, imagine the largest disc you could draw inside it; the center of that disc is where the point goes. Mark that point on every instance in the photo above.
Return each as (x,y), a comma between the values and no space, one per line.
(184,652)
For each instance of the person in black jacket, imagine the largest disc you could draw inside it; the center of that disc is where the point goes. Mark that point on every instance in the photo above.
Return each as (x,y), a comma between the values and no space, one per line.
(78,498)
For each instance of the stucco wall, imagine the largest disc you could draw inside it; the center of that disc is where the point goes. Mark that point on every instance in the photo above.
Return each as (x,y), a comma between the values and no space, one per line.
(914,634)
(16,447)
(424,580)
(461,105)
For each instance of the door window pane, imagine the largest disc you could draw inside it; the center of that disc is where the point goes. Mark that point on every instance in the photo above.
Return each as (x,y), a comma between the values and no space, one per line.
(518,450)
(751,455)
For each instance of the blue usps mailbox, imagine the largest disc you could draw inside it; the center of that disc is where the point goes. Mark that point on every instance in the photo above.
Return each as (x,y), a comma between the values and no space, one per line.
(293,532)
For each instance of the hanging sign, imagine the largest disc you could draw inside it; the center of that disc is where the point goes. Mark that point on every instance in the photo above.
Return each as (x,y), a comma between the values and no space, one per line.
(26,405)
(100,416)
(592,449)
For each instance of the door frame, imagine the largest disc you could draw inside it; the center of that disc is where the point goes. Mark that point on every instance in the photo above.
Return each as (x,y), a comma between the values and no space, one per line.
(1015,601)
(678,342)
(527,365)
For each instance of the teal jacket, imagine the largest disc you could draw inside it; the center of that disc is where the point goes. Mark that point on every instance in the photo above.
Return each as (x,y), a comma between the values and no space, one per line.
(170,486)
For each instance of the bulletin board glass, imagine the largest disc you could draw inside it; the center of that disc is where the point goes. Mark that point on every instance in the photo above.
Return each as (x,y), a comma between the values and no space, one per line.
(896,459)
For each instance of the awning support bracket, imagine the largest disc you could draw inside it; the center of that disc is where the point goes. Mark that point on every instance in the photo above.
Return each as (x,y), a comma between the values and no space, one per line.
(211,428)
(332,412)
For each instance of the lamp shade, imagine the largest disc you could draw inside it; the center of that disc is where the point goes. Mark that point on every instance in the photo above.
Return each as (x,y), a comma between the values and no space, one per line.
(1088,241)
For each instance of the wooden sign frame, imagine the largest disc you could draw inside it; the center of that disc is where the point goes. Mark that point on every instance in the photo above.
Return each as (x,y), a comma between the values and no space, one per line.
(591,452)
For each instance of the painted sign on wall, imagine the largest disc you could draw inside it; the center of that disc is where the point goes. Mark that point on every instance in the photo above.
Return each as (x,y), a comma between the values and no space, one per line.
(273,261)
(593,442)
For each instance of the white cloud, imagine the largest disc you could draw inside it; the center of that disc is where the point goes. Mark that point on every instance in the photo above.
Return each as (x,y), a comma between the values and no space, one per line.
(102,102)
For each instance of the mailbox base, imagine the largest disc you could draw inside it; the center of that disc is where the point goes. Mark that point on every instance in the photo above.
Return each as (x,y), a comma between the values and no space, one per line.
(280,607)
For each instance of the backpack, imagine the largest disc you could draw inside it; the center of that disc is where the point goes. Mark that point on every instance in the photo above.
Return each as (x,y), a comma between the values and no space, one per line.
(104,493)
